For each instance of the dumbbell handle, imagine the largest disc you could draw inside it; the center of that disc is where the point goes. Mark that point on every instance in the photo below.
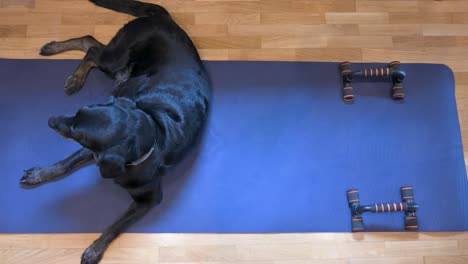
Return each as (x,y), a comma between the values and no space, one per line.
(373,72)
(370,72)
(386,207)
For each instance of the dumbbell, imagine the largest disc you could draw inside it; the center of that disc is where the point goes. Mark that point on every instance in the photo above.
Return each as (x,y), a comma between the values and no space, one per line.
(408,205)
(392,71)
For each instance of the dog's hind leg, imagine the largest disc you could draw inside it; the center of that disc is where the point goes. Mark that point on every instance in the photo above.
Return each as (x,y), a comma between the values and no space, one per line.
(82,43)
(35,176)
(135,212)
(88,44)
(76,81)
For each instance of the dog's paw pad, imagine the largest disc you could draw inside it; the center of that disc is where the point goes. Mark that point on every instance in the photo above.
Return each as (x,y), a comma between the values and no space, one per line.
(91,256)
(73,85)
(49,49)
(31,177)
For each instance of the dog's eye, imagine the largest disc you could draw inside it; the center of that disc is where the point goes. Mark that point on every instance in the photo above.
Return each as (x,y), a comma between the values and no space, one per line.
(75,134)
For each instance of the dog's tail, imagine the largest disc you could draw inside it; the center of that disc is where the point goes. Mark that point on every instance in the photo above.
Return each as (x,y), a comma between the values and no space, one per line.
(134,8)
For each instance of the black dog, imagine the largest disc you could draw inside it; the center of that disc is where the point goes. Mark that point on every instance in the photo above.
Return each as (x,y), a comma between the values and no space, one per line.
(158,108)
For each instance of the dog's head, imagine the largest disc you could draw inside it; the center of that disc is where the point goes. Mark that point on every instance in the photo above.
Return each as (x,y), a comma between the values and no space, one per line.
(109,130)
(97,127)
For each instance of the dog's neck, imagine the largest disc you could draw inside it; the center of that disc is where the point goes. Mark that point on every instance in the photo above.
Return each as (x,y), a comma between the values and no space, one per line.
(136,162)
(142,159)
(151,150)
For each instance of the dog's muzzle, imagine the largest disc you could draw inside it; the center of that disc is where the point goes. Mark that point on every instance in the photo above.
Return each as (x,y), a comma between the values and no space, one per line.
(61,124)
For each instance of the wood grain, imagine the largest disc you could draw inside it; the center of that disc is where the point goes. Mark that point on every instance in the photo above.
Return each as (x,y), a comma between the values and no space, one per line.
(301,30)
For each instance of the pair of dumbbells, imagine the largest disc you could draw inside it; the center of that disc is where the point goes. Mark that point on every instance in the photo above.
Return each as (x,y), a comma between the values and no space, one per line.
(407,205)
(391,72)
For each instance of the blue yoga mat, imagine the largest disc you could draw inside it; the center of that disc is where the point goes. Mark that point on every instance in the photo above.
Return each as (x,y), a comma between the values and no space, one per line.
(279,153)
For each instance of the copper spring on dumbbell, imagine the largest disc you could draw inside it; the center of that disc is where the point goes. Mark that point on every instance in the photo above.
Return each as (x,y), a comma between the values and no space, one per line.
(377,72)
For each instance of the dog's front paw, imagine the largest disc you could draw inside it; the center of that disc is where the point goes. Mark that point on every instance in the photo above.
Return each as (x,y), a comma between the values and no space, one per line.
(49,49)
(91,256)
(73,84)
(32,177)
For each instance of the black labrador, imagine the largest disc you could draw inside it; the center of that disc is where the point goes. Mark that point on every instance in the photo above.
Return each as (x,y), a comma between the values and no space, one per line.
(158,109)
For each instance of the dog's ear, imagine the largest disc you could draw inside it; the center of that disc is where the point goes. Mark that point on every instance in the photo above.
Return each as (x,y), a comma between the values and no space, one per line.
(111,164)
(124,102)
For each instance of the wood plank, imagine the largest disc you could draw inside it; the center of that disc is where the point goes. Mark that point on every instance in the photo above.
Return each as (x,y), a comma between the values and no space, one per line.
(34,54)
(227,42)
(29,18)
(214,54)
(444,30)
(386,6)
(294,42)
(220,262)
(22,3)
(446,56)
(307,6)
(414,42)
(443,6)
(397,260)
(59,32)
(206,30)
(461,77)
(65,7)
(446,41)
(227,18)
(446,260)
(262,54)
(303,261)
(130,256)
(287,252)
(40,256)
(105,33)
(84,19)
(12,31)
(390,29)
(357,18)
(212,6)
(184,18)
(329,54)
(362,249)
(464,243)
(292,18)
(110,19)
(459,18)
(23,43)
(290,30)
(421,248)
(420,18)
(360,42)
(198,254)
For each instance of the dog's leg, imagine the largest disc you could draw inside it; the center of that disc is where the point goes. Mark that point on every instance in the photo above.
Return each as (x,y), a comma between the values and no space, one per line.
(76,81)
(83,44)
(88,44)
(135,212)
(36,176)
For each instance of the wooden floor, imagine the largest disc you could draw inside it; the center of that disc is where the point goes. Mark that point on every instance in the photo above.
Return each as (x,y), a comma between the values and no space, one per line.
(299,30)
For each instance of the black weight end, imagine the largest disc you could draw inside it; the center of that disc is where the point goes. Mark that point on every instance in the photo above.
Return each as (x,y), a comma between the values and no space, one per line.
(357,224)
(411,223)
(353,197)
